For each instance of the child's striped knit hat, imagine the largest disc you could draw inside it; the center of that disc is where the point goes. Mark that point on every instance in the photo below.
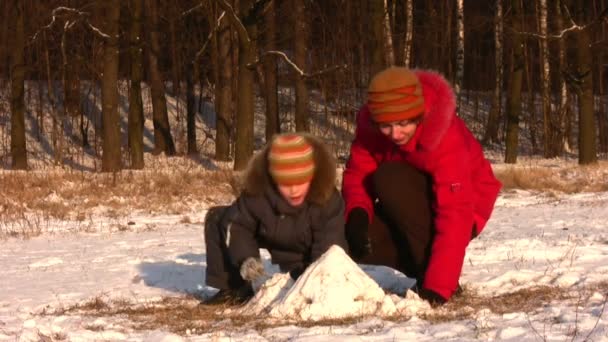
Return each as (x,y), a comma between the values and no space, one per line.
(395,94)
(291,159)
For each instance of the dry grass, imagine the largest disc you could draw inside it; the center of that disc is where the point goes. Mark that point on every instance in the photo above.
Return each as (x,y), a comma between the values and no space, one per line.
(568,179)
(32,200)
(180,315)
(69,195)
(467,304)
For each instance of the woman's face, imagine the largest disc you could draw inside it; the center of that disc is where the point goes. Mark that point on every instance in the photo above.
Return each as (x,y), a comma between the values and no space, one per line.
(399,132)
(294,194)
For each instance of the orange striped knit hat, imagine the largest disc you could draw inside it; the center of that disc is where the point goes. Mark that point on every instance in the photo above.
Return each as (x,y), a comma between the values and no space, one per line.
(291,160)
(395,94)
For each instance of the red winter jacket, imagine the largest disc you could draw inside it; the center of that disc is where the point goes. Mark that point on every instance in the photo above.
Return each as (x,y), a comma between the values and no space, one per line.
(463,182)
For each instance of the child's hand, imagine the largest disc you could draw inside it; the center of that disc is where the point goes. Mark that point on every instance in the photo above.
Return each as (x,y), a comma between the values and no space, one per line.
(252,269)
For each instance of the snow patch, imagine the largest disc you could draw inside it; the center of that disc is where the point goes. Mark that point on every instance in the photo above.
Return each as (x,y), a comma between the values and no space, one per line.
(46,262)
(334,287)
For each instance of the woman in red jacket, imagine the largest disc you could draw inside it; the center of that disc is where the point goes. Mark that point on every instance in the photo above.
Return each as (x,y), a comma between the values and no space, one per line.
(417,186)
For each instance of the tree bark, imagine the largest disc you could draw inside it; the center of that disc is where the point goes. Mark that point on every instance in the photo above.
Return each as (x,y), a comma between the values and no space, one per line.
(409,31)
(175,62)
(191,115)
(376,40)
(563,113)
(111,160)
(388,36)
(17,72)
(4,38)
(301,32)
(587,149)
(270,74)
(459,50)
(163,140)
(515,83)
(136,110)
(550,130)
(491,134)
(223,90)
(531,119)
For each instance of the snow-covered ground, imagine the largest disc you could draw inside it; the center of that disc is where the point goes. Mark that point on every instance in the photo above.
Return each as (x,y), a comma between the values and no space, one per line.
(533,240)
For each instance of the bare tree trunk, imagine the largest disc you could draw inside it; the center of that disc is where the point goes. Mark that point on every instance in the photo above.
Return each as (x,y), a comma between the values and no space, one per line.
(491,134)
(4,43)
(224,92)
(175,62)
(459,50)
(247,32)
(18,145)
(191,115)
(40,110)
(163,140)
(70,79)
(549,128)
(111,160)
(531,120)
(515,83)
(301,29)
(270,74)
(57,153)
(388,34)
(409,31)
(136,109)
(602,113)
(587,148)
(564,112)
(376,40)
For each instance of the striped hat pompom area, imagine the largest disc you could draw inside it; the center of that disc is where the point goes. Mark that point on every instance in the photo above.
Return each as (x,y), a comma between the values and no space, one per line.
(291,159)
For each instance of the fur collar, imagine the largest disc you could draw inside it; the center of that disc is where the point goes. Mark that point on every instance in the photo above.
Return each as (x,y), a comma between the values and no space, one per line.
(257,179)
(440,108)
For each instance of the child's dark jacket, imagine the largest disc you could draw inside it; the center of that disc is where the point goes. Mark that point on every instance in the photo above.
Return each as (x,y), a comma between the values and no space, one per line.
(294,236)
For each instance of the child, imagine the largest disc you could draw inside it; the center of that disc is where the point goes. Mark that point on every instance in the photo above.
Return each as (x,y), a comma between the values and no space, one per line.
(289,206)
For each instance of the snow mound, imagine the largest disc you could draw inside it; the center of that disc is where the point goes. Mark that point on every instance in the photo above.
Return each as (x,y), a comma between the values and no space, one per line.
(334,287)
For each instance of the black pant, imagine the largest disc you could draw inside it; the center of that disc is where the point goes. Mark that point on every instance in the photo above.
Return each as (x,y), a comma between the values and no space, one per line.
(402,230)
(220,272)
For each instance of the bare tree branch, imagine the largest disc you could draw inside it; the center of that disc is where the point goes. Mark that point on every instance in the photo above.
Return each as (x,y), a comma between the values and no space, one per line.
(97,31)
(72,16)
(242,31)
(217,26)
(573,26)
(189,11)
(296,67)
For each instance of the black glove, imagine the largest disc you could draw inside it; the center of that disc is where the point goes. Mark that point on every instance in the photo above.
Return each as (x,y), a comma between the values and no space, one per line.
(430,296)
(297,272)
(356,233)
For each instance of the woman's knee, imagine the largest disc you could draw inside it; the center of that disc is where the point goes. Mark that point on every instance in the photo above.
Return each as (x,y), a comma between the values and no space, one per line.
(398,178)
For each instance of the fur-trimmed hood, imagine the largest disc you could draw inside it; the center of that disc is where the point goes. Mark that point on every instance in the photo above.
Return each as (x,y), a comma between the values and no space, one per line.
(257,179)
(439,108)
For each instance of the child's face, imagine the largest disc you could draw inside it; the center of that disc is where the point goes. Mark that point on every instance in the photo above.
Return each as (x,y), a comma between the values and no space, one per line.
(294,194)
